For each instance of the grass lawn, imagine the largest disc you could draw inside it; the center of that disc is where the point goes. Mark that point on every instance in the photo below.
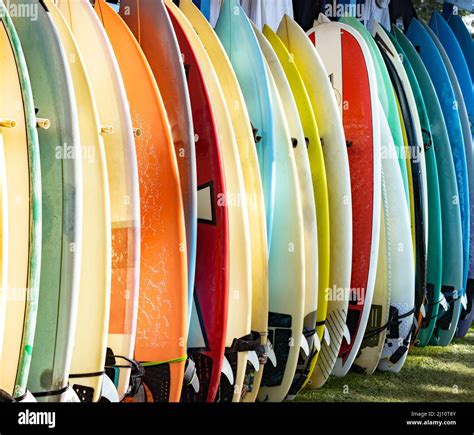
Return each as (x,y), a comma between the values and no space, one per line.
(431,374)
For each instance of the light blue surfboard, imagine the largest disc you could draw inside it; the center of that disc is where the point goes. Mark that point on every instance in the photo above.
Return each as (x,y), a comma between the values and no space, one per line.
(236,34)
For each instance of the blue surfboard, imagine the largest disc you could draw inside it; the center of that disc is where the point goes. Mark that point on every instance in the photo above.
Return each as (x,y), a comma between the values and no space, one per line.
(204,6)
(465,96)
(424,41)
(236,34)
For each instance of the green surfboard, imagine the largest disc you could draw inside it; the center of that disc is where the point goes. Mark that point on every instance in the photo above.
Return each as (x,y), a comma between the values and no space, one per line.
(61,206)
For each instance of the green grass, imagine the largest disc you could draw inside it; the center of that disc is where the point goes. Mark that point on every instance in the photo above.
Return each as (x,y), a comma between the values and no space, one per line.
(431,374)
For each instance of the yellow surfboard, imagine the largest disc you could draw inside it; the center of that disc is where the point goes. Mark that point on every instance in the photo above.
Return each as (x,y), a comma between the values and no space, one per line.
(240,277)
(251,173)
(318,172)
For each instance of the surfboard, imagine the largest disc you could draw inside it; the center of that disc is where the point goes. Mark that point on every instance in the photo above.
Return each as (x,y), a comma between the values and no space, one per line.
(240,290)
(435,248)
(240,44)
(107,86)
(289,298)
(417,173)
(157,164)
(386,96)
(465,41)
(23,179)
(433,61)
(307,363)
(324,104)
(400,257)
(205,7)
(465,97)
(350,68)
(310,226)
(450,210)
(150,24)
(467,139)
(206,343)
(61,185)
(95,271)
(251,173)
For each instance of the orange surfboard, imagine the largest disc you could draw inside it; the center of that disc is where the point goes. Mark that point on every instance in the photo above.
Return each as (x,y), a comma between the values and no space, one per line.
(163,305)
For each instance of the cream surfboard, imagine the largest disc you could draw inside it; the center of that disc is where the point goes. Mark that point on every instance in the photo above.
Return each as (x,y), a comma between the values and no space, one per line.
(107,86)
(310,237)
(94,287)
(325,107)
(251,173)
(240,278)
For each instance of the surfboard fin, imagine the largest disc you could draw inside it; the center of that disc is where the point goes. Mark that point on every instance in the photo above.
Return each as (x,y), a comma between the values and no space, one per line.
(70,396)
(317,343)
(423,310)
(444,303)
(227,370)
(346,334)
(271,353)
(191,377)
(7,123)
(252,358)
(109,391)
(321,20)
(464,301)
(327,336)
(304,345)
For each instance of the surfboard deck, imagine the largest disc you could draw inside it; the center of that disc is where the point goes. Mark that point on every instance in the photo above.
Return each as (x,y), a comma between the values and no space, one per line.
(240,291)
(348,63)
(61,206)
(251,173)
(318,174)
(149,22)
(336,160)
(107,85)
(23,176)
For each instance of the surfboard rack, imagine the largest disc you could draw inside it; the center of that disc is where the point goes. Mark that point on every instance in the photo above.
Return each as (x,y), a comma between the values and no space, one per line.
(106,129)
(43,123)
(7,123)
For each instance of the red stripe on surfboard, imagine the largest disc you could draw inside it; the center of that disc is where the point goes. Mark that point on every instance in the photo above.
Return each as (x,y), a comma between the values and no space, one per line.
(358,127)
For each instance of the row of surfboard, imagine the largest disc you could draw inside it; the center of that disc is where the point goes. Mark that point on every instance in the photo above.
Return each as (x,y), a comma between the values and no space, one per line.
(202,214)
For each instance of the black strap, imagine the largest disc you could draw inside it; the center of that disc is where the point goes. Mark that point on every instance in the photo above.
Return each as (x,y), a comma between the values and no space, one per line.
(321,323)
(86,375)
(19,399)
(136,375)
(51,393)
(308,333)
(248,343)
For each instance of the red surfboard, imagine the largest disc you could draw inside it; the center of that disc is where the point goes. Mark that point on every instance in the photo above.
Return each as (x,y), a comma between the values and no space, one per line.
(206,340)
(352,75)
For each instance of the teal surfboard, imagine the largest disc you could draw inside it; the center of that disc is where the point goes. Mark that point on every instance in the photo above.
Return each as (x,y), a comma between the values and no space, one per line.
(236,34)
(434,255)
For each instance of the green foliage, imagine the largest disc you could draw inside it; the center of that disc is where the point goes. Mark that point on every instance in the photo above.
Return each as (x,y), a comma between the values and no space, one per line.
(424,8)
(431,374)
